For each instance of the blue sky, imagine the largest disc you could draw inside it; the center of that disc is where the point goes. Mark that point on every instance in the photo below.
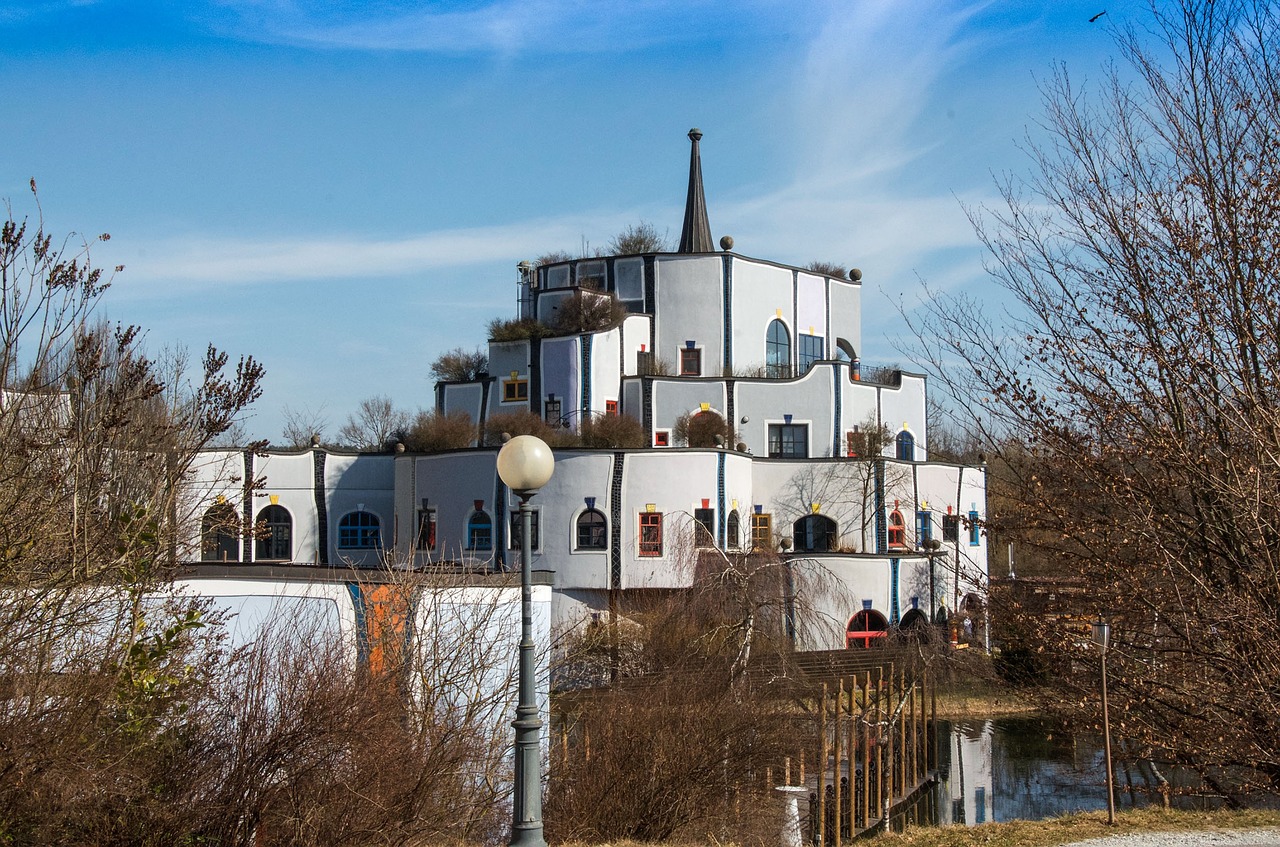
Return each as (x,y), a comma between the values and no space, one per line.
(344,189)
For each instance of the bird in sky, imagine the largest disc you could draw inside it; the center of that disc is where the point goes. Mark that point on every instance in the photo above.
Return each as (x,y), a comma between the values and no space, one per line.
(1095,17)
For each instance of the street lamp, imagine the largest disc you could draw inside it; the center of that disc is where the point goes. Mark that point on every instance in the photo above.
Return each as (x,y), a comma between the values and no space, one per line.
(525,464)
(1102,637)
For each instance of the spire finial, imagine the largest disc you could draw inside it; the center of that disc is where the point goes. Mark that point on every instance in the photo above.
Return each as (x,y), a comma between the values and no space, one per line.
(695,236)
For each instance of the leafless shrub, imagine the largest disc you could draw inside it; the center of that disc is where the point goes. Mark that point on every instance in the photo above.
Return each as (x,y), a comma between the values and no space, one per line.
(589,312)
(526,423)
(828,269)
(434,431)
(701,702)
(704,429)
(639,238)
(518,329)
(612,431)
(555,257)
(459,365)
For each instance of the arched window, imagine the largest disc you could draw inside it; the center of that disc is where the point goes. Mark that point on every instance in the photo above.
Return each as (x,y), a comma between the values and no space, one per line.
(897,530)
(865,629)
(906,446)
(915,624)
(814,534)
(733,531)
(359,531)
(479,531)
(592,531)
(777,351)
(274,529)
(220,534)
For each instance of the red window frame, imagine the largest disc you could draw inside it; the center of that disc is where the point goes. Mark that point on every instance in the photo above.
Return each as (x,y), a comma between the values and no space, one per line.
(650,534)
(897,533)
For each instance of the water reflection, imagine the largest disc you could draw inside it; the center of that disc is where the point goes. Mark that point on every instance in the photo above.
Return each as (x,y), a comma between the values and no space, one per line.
(1025,768)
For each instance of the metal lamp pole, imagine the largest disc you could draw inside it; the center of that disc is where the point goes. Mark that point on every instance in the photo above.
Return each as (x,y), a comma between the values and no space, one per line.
(1102,637)
(525,464)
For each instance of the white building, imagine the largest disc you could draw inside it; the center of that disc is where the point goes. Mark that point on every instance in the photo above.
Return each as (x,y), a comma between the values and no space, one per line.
(712,341)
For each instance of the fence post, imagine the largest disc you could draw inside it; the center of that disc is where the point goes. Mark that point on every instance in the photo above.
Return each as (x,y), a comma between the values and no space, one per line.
(853,758)
(835,771)
(822,768)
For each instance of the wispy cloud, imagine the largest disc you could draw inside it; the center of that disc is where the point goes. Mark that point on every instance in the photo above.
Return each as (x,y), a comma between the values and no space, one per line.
(173,265)
(501,26)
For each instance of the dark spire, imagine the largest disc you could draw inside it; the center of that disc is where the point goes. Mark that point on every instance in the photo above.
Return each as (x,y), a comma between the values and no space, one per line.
(695,237)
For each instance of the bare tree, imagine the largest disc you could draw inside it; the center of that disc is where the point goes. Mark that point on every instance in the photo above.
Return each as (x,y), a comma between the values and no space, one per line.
(374,425)
(303,426)
(459,365)
(701,696)
(98,448)
(639,238)
(1132,393)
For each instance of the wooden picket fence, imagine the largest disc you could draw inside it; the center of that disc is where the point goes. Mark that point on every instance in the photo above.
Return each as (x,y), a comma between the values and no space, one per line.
(876,751)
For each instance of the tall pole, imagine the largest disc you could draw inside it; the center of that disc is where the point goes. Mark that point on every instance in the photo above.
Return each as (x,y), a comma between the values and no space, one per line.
(526,808)
(1106,741)
(525,464)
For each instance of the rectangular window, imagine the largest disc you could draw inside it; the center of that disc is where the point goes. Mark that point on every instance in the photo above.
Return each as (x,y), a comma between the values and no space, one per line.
(611,407)
(662,438)
(651,534)
(479,532)
(974,528)
(551,411)
(690,362)
(789,441)
(924,527)
(951,528)
(812,348)
(516,525)
(645,364)
(706,529)
(515,390)
(591,275)
(426,529)
(762,532)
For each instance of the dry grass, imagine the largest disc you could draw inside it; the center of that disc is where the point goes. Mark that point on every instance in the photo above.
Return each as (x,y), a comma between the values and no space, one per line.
(981,699)
(1069,828)
(1046,833)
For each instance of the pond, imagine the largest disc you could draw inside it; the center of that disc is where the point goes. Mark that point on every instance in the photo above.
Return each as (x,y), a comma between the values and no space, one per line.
(1028,768)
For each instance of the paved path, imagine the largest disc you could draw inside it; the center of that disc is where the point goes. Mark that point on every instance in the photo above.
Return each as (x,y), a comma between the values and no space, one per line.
(1217,838)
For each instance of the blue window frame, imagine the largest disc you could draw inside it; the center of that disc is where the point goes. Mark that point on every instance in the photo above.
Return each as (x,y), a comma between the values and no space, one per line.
(924,527)
(777,351)
(974,529)
(479,532)
(812,349)
(359,531)
(906,446)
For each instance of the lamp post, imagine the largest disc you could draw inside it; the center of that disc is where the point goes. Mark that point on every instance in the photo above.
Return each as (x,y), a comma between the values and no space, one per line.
(525,464)
(1102,637)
